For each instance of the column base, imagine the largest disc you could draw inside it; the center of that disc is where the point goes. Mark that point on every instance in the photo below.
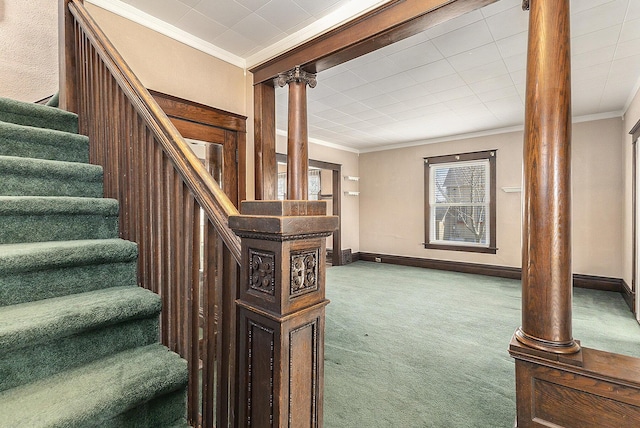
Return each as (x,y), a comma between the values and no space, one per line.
(570,347)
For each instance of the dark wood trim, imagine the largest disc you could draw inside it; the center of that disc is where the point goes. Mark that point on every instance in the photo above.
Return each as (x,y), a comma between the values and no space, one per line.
(489,155)
(336,259)
(387,24)
(635,134)
(200,113)
(206,123)
(591,388)
(264,130)
(629,296)
(579,280)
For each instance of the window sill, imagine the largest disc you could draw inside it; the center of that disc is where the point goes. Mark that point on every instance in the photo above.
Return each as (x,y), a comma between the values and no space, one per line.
(465,248)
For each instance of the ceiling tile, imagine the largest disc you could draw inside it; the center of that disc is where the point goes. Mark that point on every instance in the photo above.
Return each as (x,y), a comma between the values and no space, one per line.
(284,14)
(418,55)
(489,85)
(444,83)
(226,12)
(595,40)
(581,5)
(499,6)
(463,39)
(506,92)
(516,62)
(514,44)
(381,69)
(167,11)
(508,23)
(589,59)
(484,72)
(626,49)
(257,28)
(475,57)
(630,31)
(320,8)
(454,24)
(190,3)
(599,17)
(252,5)
(431,71)
(344,81)
(633,12)
(234,42)
(201,26)
(454,94)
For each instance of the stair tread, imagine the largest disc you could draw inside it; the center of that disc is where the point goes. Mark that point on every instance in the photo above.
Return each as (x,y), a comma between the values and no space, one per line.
(33,205)
(47,167)
(44,177)
(27,257)
(31,114)
(30,323)
(95,392)
(42,143)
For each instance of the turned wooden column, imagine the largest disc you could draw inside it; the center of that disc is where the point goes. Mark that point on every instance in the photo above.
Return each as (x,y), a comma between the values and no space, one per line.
(297,138)
(546,237)
(281,312)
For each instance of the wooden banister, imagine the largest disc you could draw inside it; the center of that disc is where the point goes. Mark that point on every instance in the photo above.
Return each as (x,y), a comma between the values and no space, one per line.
(169,205)
(213,200)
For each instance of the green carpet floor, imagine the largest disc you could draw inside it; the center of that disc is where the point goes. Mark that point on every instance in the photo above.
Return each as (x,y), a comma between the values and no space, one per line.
(78,339)
(410,347)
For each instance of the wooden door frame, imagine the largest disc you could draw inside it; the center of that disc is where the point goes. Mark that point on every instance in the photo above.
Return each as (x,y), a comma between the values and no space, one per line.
(382,26)
(630,293)
(336,192)
(232,126)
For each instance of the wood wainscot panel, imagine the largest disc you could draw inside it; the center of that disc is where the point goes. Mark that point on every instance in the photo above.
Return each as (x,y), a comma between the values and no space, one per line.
(590,389)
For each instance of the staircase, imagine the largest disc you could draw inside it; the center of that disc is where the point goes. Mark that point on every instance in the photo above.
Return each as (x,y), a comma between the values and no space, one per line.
(78,339)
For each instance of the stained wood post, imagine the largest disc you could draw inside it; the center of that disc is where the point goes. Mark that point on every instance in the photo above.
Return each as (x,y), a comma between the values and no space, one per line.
(68,98)
(546,239)
(281,312)
(297,134)
(266,185)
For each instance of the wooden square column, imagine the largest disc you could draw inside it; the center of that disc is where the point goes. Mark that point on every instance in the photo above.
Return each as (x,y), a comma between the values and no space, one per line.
(281,312)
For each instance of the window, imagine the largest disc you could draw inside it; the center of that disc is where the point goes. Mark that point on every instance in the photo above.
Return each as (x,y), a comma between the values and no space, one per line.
(313,184)
(460,202)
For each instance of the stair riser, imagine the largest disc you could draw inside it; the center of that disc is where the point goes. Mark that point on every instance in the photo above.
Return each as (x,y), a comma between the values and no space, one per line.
(56,227)
(31,286)
(60,147)
(39,116)
(157,413)
(45,359)
(29,185)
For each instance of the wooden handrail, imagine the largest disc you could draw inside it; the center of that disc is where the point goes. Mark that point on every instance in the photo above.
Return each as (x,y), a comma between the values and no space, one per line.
(206,190)
(169,205)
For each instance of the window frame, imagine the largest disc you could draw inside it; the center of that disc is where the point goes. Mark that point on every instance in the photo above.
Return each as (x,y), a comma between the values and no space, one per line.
(490,156)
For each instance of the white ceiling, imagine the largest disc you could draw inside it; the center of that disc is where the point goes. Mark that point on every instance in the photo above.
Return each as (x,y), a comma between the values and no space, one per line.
(464,76)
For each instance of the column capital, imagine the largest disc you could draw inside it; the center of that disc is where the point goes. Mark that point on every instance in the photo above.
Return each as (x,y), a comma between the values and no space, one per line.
(296,75)
(525,5)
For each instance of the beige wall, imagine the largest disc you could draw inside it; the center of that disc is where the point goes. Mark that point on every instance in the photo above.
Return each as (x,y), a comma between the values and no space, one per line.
(350,205)
(392,199)
(631,117)
(28,49)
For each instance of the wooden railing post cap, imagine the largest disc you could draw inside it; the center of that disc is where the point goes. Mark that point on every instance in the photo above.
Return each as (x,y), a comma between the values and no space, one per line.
(283,220)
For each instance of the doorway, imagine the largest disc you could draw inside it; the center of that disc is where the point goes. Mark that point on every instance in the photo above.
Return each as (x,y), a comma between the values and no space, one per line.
(324,185)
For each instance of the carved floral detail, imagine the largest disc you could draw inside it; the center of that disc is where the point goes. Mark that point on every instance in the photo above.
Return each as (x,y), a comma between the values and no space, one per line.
(304,272)
(296,75)
(261,272)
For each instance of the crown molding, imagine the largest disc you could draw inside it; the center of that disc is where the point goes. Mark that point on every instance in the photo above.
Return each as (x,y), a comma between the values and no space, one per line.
(488,132)
(139,17)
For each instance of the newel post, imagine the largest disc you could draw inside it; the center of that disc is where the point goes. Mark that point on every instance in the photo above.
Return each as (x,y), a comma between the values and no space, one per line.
(281,312)
(67,57)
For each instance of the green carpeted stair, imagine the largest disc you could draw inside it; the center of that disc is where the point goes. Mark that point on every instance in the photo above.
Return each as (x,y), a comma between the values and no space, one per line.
(78,338)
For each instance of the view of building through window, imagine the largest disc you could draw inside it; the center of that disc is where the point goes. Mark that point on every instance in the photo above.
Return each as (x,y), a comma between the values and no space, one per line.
(460,202)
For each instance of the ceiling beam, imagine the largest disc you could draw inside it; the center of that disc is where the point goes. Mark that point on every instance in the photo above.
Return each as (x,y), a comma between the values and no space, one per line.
(387,24)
